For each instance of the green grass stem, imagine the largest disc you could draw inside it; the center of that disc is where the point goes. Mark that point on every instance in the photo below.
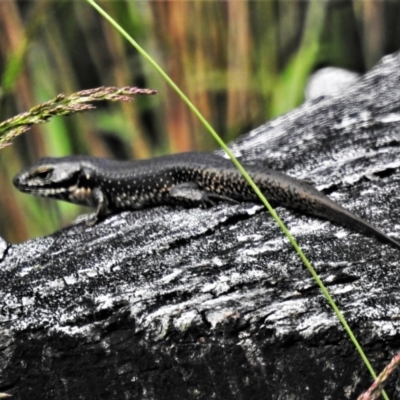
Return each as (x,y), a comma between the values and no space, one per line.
(249,180)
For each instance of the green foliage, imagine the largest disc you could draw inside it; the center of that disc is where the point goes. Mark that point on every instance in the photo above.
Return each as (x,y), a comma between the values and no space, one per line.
(241,62)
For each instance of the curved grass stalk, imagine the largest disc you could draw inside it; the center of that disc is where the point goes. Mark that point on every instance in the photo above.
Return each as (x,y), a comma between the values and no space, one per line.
(249,180)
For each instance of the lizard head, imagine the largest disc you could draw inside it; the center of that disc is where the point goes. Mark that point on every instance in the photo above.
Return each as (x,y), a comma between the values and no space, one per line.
(49,177)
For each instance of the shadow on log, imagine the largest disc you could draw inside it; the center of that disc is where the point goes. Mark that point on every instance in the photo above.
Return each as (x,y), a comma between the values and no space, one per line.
(214,303)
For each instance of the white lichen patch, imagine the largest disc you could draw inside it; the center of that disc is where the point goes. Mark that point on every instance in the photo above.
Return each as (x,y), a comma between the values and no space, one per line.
(73,331)
(300,228)
(170,277)
(313,324)
(105,301)
(249,238)
(285,309)
(26,271)
(389,118)
(270,246)
(219,317)
(71,279)
(386,329)
(185,320)
(254,209)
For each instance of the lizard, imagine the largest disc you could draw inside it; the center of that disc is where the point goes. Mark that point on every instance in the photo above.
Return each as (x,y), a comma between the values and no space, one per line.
(188,179)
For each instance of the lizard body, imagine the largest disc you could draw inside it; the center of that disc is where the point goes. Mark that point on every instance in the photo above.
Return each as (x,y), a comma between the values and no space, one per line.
(182,179)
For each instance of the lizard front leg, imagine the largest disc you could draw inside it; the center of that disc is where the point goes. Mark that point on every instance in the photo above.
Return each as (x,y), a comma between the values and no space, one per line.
(101,204)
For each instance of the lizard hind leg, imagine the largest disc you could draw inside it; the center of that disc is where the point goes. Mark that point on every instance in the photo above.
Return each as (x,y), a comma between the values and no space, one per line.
(190,194)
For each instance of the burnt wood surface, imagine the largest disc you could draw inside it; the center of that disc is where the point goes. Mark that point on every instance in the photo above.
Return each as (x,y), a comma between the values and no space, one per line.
(170,303)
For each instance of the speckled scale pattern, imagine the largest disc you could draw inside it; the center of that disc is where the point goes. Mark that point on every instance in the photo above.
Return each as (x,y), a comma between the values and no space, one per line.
(148,182)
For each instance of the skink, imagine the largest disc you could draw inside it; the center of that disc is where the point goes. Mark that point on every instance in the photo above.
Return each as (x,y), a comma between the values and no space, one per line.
(189,179)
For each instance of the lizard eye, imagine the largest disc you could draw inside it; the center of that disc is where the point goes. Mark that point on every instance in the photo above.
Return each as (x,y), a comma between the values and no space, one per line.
(44,174)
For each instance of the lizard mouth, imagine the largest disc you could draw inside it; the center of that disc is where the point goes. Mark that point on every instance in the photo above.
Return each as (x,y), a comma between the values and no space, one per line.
(79,193)
(43,191)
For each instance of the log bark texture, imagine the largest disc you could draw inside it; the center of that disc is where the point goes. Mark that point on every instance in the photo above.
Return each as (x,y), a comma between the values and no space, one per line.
(170,303)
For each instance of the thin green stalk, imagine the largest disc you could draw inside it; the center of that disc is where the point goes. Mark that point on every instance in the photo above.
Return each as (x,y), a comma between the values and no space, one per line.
(249,180)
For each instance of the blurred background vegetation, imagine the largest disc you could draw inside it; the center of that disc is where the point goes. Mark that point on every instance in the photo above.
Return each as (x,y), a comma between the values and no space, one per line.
(242,62)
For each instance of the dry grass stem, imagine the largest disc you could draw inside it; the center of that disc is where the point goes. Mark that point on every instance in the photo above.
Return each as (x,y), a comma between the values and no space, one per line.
(376,388)
(65,105)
